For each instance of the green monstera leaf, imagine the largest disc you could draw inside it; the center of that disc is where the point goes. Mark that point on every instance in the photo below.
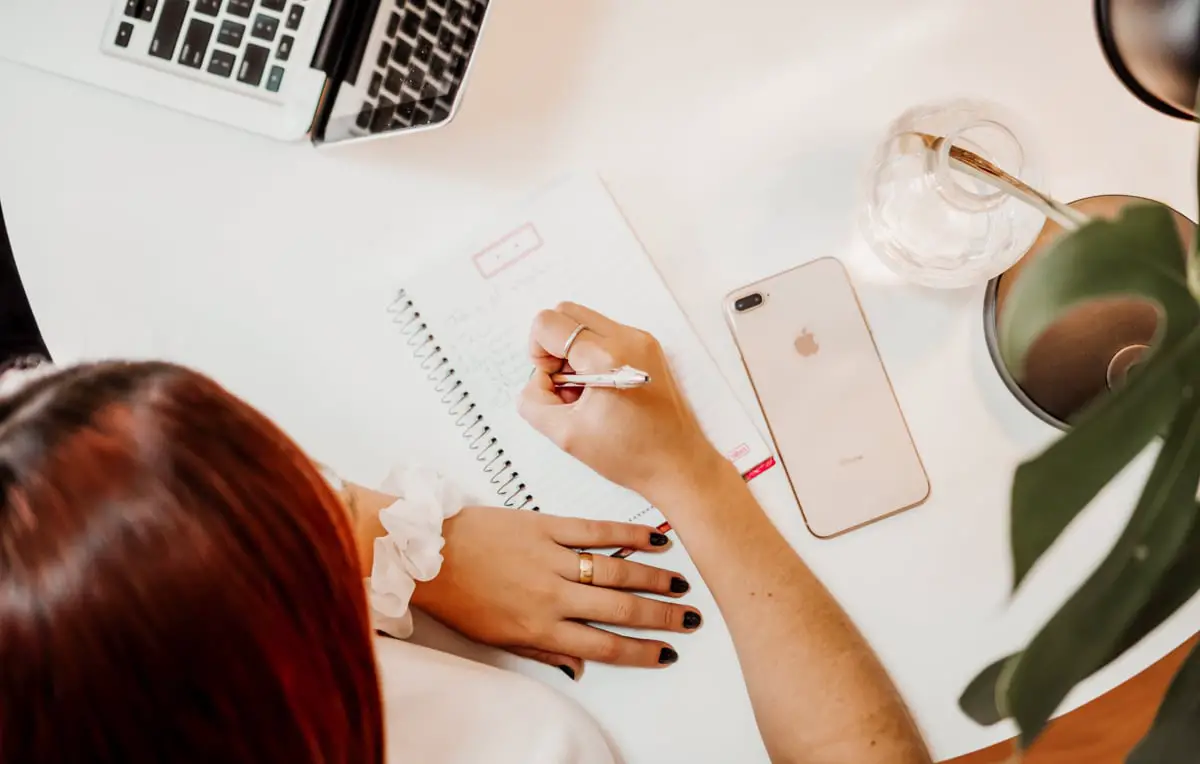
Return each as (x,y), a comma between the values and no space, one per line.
(1150,571)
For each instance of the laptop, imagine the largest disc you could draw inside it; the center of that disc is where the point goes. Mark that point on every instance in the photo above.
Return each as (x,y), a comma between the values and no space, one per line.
(327,70)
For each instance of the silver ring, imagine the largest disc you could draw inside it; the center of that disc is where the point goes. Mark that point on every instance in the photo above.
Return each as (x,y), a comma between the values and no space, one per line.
(571,340)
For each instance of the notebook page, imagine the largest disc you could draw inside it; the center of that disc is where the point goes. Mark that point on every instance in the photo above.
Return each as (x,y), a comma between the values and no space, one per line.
(571,244)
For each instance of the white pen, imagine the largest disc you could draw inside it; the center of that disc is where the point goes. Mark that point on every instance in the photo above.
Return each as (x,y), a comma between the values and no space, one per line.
(623,378)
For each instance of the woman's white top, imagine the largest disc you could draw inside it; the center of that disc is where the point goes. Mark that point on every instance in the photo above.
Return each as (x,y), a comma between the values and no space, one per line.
(439,708)
(442,709)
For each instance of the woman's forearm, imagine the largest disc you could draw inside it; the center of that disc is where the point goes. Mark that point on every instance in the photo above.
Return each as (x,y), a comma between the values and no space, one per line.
(819,693)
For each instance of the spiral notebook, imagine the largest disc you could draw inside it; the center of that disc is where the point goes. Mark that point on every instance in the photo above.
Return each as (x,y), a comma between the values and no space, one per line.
(466,322)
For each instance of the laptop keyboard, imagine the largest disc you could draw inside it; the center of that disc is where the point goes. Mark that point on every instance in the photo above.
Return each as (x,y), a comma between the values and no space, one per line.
(245,44)
(413,75)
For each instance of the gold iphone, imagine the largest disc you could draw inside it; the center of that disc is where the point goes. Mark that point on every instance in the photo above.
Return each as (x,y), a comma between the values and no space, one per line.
(827,399)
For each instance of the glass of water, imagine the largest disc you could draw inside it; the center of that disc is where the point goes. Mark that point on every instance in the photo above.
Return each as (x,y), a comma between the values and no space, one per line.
(934,224)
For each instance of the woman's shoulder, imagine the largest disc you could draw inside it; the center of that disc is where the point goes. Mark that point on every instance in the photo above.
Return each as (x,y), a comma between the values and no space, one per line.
(442,709)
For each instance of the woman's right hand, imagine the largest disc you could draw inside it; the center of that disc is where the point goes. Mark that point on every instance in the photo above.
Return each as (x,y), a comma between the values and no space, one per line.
(646,439)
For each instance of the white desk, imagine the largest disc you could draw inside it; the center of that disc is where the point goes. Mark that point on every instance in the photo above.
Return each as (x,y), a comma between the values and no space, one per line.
(733,135)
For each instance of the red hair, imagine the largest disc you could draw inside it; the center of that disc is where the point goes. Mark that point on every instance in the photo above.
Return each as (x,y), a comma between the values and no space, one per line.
(177,582)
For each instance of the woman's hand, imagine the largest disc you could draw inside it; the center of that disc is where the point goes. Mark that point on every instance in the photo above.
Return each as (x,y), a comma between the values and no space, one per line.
(646,439)
(511,579)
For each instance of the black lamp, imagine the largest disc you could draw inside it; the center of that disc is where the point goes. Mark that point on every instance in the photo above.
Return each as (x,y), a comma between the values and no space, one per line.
(1153,46)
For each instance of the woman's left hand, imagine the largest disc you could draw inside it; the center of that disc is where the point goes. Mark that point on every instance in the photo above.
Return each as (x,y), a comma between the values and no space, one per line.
(511,579)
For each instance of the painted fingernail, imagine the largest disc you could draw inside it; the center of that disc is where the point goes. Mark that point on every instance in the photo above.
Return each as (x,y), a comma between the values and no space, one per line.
(667,655)
(658,539)
(679,586)
(570,672)
(691,620)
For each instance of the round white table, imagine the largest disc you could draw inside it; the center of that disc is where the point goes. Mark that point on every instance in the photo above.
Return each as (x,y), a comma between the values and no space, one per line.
(734,136)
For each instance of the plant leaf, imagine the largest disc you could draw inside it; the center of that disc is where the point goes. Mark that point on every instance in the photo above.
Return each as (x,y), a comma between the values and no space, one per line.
(1175,733)
(1175,588)
(1174,738)
(1051,489)
(1193,263)
(1105,606)
(984,700)
(1137,255)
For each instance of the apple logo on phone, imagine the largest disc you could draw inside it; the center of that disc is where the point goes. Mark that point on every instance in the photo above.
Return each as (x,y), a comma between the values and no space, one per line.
(806,344)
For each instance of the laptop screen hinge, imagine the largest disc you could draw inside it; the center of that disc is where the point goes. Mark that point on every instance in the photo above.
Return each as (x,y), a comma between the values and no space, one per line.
(344,38)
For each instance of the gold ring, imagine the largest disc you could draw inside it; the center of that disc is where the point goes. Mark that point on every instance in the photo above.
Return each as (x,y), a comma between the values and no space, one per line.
(586,568)
(571,339)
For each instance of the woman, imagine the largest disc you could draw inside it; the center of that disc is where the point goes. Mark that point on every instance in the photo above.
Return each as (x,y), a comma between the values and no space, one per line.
(180,584)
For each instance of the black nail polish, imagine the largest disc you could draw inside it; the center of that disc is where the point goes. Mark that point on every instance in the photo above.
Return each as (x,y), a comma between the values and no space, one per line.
(667,655)
(570,672)
(691,620)
(658,539)
(679,586)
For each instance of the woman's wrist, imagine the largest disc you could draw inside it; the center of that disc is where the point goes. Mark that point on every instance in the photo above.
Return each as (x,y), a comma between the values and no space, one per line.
(426,591)
(683,489)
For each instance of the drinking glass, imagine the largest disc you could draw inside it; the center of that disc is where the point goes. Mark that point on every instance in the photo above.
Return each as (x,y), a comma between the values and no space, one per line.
(934,224)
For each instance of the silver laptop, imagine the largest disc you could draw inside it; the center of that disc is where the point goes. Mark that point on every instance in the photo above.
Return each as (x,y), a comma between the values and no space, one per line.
(329,70)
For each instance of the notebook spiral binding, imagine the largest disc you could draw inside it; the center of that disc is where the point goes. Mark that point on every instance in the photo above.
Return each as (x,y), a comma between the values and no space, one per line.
(458,404)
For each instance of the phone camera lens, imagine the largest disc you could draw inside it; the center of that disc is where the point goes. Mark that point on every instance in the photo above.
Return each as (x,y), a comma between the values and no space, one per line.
(749,302)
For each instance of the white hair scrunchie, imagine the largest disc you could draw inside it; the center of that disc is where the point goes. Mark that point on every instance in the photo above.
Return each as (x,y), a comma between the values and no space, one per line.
(412,549)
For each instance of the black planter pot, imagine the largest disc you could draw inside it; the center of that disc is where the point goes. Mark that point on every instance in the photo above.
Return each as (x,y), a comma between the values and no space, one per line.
(1088,351)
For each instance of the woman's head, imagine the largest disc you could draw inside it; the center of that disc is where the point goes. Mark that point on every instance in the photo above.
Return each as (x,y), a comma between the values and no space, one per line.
(176,581)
